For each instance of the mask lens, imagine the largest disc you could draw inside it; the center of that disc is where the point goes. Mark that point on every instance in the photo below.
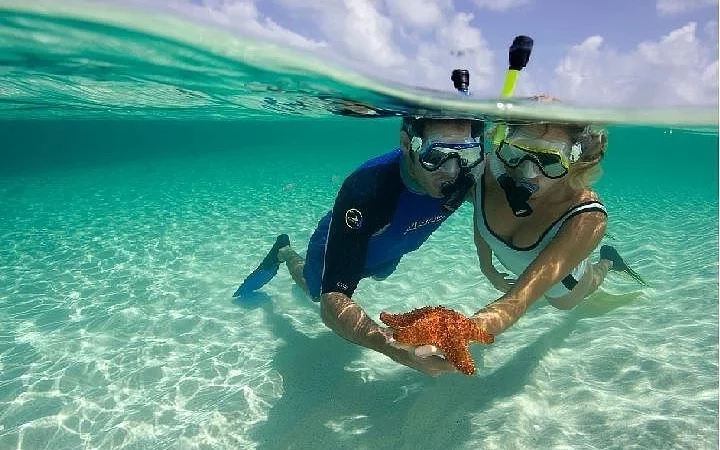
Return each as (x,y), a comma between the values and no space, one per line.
(434,155)
(551,163)
(511,155)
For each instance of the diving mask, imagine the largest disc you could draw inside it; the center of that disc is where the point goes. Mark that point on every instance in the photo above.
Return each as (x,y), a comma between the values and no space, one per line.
(553,158)
(433,155)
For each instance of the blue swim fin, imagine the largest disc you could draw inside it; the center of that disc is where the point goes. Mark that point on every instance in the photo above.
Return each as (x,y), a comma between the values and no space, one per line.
(266,271)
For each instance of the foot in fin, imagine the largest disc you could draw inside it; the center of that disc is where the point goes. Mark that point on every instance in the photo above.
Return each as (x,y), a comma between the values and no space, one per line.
(618,264)
(266,271)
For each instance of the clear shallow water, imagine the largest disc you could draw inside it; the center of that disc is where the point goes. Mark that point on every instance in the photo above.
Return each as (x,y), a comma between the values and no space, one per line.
(125,239)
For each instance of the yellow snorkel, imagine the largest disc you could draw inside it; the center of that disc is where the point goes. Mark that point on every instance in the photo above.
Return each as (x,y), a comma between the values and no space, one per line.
(517,195)
(518,57)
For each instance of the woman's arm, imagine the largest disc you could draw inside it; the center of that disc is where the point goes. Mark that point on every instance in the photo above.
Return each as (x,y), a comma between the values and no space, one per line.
(575,241)
(484,253)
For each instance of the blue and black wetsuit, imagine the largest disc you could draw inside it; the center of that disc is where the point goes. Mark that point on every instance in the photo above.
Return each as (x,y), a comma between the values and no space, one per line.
(376,220)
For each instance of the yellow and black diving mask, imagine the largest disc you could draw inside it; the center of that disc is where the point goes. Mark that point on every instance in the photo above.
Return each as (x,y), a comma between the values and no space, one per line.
(553,158)
(433,155)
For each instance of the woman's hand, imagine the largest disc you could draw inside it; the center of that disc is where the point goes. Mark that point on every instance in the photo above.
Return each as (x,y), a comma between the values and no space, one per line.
(501,281)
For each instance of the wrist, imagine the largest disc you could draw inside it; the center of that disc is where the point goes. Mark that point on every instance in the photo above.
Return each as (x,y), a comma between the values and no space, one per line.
(377,340)
(488,271)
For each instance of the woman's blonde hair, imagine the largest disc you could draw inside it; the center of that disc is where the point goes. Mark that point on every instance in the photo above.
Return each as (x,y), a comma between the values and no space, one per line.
(587,170)
(593,140)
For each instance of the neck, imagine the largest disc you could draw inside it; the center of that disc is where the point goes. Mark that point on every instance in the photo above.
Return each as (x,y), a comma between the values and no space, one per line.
(560,194)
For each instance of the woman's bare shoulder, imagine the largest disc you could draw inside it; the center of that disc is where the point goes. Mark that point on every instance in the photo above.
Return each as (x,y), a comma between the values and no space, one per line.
(586,195)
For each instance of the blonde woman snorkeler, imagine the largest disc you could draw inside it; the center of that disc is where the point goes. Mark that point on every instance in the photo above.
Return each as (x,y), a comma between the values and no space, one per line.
(536,212)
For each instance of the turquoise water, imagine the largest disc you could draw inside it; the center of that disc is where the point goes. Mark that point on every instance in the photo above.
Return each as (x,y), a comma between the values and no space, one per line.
(126,233)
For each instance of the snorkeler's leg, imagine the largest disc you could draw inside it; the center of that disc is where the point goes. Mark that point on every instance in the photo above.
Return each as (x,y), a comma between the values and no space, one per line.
(295,264)
(596,275)
(382,272)
(266,271)
(617,263)
(588,283)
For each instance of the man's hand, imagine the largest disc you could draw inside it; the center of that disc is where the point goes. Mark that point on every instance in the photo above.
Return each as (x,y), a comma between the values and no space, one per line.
(430,365)
(347,319)
(427,359)
(422,351)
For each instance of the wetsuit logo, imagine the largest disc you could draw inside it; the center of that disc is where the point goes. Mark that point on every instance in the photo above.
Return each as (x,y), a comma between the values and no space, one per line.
(421,223)
(353,219)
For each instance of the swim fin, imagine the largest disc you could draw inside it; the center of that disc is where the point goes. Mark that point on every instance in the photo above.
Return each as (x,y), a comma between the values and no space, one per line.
(608,252)
(266,271)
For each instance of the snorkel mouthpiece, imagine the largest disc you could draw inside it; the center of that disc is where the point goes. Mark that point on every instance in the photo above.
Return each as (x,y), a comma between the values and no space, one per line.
(455,192)
(517,195)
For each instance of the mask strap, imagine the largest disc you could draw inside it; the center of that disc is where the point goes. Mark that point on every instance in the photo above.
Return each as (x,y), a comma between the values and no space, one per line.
(575,152)
(416,143)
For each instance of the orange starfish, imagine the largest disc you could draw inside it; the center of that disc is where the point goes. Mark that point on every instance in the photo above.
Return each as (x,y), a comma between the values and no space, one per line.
(444,328)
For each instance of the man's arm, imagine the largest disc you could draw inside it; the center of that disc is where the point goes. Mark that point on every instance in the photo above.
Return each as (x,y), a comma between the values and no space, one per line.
(364,205)
(578,237)
(348,320)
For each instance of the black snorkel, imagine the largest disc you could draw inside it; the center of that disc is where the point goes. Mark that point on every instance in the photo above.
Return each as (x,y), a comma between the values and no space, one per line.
(461,80)
(517,195)
(456,191)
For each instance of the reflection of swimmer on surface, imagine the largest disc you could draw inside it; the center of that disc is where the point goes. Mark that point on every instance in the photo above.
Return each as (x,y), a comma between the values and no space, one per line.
(535,211)
(353,108)
(385,209)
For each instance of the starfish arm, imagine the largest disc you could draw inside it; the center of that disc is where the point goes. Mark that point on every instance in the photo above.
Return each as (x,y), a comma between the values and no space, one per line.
(405,319)
(460,325)
(394,320)
(458,354)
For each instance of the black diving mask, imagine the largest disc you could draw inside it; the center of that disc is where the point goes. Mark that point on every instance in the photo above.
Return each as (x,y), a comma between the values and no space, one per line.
(434,154)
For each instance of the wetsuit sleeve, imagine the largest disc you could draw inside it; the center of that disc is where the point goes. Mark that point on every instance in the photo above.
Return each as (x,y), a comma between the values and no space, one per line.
(363,206)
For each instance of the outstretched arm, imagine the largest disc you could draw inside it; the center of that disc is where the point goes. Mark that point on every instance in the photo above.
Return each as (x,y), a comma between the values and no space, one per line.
(364,204)
(578,237)
(348,320)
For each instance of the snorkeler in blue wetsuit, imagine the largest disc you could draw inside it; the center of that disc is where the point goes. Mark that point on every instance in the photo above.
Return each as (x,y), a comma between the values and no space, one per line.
(385,209)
